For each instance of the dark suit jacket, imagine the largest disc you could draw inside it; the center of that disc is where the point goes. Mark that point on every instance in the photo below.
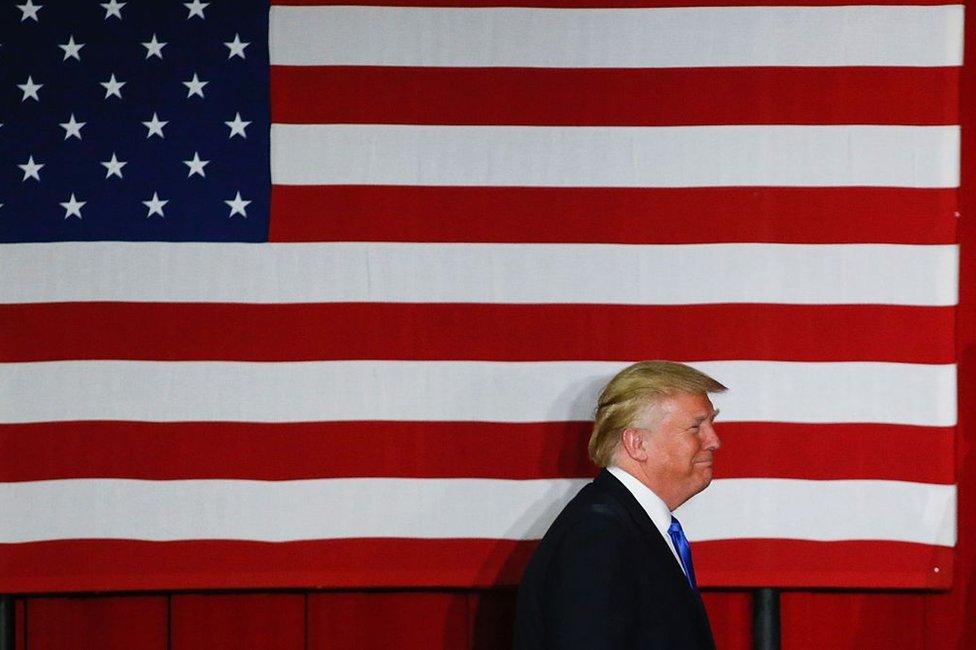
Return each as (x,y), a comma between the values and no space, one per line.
(603,577)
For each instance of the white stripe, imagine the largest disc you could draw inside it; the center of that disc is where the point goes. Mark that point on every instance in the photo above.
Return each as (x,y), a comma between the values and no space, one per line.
(618,156)
(481,273)
(897,393)
(454,508)
(618,38)
(823,511)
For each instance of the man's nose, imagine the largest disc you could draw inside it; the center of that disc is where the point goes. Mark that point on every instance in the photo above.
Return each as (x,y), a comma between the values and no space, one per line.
(712,441)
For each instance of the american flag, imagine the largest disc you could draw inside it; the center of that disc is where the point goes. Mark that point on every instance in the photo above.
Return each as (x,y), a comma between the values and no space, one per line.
(322,295)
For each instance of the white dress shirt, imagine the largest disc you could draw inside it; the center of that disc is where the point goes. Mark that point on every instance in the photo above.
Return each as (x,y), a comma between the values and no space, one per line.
(652,504)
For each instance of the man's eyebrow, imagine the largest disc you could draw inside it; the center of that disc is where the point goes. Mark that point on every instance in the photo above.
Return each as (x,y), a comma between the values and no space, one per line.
(702,418)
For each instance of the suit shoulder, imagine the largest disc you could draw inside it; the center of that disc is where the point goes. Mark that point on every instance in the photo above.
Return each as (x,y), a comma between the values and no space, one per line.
(594,516)
(595,504)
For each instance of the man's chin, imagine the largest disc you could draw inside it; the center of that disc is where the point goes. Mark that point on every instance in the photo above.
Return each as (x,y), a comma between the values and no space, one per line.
(705,472)
(704,480)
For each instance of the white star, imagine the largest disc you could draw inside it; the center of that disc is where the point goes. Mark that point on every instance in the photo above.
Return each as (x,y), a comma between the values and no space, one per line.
(237,206)
(154,48)
(30,169)
(236,47)
(72,128)
(237,126)
(29,10)
(30,89)
(71,49)
(155,206)
(155,126)
(114,166)
(113,87)
(194,86)
(196,8)
(72,207)
(196,165)
(113,8)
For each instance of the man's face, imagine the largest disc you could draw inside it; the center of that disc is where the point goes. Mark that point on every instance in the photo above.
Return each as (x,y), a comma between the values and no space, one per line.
(679,440)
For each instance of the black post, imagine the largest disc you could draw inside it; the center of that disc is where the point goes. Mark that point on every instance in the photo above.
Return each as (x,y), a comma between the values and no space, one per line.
(765,619)
(6,622)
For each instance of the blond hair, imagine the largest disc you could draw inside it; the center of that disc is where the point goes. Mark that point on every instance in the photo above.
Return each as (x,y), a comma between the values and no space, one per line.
(630,390)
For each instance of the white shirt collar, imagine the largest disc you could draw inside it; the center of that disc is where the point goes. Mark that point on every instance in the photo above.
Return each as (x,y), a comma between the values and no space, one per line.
(652,504)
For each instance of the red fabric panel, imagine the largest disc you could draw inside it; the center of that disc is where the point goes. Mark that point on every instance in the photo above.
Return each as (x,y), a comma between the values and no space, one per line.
(614,97)
(359,620)
(238,621)
(122,622)
(857,621)
(20,624)
(786,215)
(491,619)
(503,332)
(730,614)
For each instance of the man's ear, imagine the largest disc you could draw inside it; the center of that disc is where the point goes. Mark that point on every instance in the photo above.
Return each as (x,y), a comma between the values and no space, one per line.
(632,440)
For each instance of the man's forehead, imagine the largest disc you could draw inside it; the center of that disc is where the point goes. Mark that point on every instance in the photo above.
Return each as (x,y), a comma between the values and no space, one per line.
(694,405)
(678,405)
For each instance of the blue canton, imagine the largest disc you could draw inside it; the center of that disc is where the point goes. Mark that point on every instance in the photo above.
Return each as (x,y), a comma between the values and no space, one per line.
(138,120)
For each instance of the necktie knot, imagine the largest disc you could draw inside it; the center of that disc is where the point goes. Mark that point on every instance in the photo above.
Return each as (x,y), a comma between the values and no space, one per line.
(683,548)
(675,527)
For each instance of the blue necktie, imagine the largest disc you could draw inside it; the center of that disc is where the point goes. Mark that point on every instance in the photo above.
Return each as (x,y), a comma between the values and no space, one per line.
(684,550)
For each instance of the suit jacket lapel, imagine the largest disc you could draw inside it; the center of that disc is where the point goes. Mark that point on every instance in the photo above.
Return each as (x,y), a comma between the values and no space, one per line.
(656,545)
(653,538)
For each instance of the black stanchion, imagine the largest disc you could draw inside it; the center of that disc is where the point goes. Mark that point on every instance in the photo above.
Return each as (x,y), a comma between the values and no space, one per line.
(765,619)
(6,623)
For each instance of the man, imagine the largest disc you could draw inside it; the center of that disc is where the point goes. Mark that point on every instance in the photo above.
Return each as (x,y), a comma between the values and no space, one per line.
(614,570)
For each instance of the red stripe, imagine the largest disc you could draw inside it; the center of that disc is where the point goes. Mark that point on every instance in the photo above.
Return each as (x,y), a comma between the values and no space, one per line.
(194,331)
(94,565)
(614,97)
(613,215)
(226,450)
(805,564)
(584,4)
